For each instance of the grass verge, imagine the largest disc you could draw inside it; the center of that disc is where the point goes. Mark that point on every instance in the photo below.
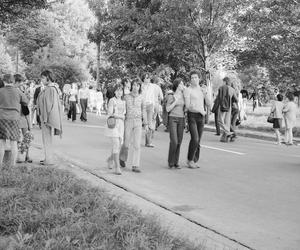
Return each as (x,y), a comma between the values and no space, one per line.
(45,208)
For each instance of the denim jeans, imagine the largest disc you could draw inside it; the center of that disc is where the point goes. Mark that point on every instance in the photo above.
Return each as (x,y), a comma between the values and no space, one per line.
(196,125)
(176,128)
(83,104)
(72,111)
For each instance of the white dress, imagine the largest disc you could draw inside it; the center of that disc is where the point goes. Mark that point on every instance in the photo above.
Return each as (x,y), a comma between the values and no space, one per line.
(290,114)
(116,107)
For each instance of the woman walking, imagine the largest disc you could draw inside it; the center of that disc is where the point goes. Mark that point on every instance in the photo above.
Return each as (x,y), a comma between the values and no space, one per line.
(290,112)
(116,109)
(10,100)
(50,111)
(277,109)
(135,111)
(175,108)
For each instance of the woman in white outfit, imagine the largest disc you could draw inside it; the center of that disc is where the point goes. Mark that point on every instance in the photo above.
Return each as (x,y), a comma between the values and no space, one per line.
(117,109)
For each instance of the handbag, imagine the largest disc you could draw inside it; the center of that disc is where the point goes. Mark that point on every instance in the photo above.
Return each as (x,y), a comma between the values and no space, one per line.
(271,118)
(111,122)
(24,109)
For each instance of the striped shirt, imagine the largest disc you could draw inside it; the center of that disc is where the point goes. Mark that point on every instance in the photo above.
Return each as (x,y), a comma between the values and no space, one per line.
(134,106)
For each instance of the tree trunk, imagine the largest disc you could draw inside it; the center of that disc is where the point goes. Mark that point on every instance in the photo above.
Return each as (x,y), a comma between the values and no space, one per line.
(98,65)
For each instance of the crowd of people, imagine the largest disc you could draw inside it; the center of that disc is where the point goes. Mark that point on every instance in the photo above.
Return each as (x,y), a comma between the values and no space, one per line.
(131,106)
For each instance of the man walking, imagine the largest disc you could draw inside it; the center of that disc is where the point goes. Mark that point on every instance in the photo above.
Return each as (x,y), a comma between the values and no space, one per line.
(196,102)
(226,96)
(83,96)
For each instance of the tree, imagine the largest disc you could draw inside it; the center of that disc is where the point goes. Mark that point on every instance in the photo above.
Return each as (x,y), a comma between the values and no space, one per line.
(31,34)
(6,65)
(275,44)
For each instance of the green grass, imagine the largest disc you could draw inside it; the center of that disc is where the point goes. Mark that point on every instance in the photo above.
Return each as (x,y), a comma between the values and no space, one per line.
(44,208)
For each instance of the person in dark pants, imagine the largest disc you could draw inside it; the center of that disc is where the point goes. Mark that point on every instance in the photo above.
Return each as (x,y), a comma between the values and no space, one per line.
(215,110)
(83,96)
(195,101)
(175,108)
(73,99)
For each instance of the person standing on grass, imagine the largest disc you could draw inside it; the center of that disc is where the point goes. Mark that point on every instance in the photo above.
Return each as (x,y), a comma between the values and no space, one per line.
(290,113)
(99,102)
(10,100)
(175,108)
(148,92)
(73,100)
(116,108)
(277,110)
(24,122)
(135,111)
(196,103)
(50,111)
(226,96)
(83,96)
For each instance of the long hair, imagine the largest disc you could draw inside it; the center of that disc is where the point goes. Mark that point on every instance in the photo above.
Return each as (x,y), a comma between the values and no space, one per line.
(48,75)
(137,81)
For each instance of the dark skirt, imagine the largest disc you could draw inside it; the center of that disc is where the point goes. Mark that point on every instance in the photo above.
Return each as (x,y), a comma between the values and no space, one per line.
(9,130)
(277,123)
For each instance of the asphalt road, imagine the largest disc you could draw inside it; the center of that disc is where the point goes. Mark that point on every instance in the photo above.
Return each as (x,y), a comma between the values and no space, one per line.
(248,190)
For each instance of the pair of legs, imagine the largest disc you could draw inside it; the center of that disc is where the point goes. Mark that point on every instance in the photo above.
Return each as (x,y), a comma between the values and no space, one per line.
(289,136)
(27,158)
(72,111)
(217,125)
(113,159)
(151,118)
(234,117)
(132,138)
(224,119)
(99,107)
(176,128)
(14,152)
(47,135)
(83,104)
(196,125)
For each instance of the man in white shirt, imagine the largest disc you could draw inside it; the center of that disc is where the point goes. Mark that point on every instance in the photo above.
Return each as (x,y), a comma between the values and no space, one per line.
(83,96)
(196,102)
(149,91)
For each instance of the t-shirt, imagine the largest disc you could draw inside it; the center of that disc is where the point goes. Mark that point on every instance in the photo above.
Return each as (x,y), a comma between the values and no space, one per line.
(194,100)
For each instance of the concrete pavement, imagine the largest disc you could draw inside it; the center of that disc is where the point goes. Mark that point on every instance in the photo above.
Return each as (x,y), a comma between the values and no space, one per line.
(247,191)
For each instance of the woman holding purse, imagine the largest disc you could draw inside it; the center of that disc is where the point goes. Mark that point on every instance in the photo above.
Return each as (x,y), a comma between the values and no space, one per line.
(115,130)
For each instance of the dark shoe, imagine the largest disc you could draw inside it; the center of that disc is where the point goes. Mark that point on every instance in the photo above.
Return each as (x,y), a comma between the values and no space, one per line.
(28,160)
(149,145)
(136,169)
(177,166)
(218,134)
(122,164)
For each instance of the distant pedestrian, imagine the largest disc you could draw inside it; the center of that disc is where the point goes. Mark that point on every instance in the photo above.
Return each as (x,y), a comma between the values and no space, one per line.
(135,111)
(116,108)
(226,96)
(99,102)
(83,96)
(175,108)
(290,113)
(73,101)
(50,111)
(196,103)
(10,100)
(215,110)
(254,97)
(277,110)
(149,93)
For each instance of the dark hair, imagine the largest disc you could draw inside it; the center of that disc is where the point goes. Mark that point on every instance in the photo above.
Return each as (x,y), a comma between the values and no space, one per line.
(279,97)
(144,76)
(124,80)
(8,78)
(118,86)
(18,78)
(138,81)
(1,83)
(48,75)
(195,72)
(290,96)
(226,79)
(176,82)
